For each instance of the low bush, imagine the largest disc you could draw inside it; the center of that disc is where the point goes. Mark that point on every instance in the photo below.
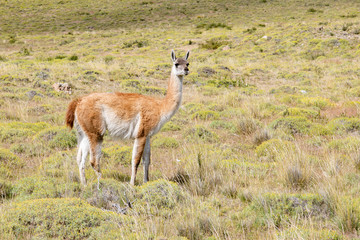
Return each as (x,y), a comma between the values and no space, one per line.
(344,124)
(9,163)
(274,149)
(14,131)
(165,142)
(111,196)
(293,125)
(170,126)
(206,115)
(303,112)
(57,138)
(161,194)
(279,210)
(346,145)
(200,132)
(214,43)
(44,187)
(117,156)
(57,218)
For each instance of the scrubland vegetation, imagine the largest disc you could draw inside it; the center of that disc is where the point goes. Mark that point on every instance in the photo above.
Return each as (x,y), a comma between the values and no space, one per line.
(264,146)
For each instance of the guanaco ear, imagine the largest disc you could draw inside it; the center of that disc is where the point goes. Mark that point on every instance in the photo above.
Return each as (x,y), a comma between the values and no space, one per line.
(173,57)
(187,55)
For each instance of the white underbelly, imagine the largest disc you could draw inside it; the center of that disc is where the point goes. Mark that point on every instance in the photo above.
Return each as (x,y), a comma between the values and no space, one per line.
(120,128)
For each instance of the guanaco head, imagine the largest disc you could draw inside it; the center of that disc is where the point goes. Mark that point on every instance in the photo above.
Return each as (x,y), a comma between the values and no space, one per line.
(181,65)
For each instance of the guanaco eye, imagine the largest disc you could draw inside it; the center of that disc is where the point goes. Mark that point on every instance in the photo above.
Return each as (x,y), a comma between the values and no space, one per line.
(187,64)
(176,64)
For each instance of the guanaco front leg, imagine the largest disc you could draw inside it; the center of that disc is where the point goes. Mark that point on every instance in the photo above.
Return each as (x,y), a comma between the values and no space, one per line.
(146,159)
(137,153)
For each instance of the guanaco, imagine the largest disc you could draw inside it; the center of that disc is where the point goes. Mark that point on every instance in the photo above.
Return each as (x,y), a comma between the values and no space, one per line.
(124,115)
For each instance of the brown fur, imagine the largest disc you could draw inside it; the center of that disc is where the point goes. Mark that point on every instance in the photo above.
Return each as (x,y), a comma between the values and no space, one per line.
(70,114)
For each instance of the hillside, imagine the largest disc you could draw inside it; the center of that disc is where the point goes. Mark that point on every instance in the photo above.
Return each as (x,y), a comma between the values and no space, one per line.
(265,144)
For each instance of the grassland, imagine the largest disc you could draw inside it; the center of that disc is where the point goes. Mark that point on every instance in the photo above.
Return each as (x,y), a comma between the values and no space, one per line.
(264,146)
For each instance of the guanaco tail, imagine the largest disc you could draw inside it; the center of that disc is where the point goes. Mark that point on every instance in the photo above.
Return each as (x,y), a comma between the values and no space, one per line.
(124,115)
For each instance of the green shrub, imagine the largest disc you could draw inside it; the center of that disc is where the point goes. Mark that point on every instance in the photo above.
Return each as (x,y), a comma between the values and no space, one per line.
(208,26)
(154,90)
(218,124)
(292,125)
(274,148)
(56,164)
(57,137)
(318,102)
(214,43)
(165,142)
(117,156)
(115,174)
(306,233)
(111,195)
(44,187)
(225,82)
(279,210)
(131,83)
(29,149)
(108,59)
(136,43)
(56,218)
(161,194)
(73,58)
(346,145)
(170,126)
(200,132)
(14,131)
(194,107)
(206,115)
(9,163)
(344,124)
(303,112)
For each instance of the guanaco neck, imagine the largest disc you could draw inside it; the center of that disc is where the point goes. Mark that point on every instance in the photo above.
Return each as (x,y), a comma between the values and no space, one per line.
(173,96)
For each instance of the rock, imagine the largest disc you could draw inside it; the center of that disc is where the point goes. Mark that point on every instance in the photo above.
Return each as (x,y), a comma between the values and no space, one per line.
(31,94)
(62,87)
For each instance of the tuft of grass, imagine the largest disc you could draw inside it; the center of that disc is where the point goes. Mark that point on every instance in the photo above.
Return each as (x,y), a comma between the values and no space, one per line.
(247,126)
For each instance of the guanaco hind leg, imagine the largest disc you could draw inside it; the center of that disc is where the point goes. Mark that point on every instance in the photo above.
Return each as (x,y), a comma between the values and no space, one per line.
(82,154)
(137,153)
(146,159)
